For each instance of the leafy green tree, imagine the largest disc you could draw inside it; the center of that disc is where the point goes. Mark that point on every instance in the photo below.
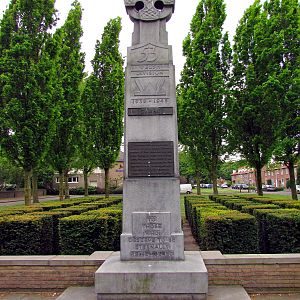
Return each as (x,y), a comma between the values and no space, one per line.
(87,154)
(254,106)
(203,87)
(69,64)
(283,23)
(10,173)
(227,167)
(107,95)
(25,84)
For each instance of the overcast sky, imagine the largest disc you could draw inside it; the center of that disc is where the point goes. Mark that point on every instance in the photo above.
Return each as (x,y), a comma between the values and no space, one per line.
(98,12)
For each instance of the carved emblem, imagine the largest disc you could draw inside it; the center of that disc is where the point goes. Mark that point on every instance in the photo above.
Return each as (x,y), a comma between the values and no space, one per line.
(148,10)
(133,2)
(148,54)
(150,87)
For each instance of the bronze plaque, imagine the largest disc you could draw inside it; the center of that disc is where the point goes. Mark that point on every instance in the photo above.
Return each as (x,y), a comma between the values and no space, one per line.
(151,159)
(150,111)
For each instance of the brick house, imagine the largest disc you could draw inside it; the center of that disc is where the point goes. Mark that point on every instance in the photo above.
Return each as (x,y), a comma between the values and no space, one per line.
(97,178)
(278,176)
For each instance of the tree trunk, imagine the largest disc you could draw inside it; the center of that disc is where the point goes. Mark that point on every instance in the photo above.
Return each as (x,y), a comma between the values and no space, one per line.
(298,172)
(198,183)
(35,195)
(67,190)
(214,176)
(27,187)
(291,167)
(259,180)
(106,170)
(61,186)
(85,176)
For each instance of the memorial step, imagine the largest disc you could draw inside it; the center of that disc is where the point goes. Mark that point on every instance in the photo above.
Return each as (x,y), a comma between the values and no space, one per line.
(230,292)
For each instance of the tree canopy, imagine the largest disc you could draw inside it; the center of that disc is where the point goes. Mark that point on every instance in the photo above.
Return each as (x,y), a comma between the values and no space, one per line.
(25,83)
(105,97)
(203,87)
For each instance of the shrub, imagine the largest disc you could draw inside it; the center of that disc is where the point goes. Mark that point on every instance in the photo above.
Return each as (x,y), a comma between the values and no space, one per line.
(254,206)
(225,230)
(92,190)
(26,235)
(269,234)
(218,228)
(55,215)
(82,234)
(283,231)
(97,230)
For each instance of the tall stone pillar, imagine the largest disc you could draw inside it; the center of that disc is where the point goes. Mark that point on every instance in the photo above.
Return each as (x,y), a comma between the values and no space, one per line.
(152,263)
(151,204)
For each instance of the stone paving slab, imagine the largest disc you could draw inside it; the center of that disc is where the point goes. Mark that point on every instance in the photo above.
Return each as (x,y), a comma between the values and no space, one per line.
(78,293)
(276,297)
(28,296)
(228,292)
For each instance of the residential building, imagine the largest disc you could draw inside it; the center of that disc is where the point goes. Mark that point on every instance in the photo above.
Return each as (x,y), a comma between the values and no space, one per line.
(278,176)
(97,177)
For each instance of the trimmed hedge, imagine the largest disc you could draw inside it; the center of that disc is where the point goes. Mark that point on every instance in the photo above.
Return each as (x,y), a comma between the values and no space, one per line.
(231,232)
(19,210)
(97,230)
(278,230)
(55,215)
(26,235)
(37,232)
(218,228)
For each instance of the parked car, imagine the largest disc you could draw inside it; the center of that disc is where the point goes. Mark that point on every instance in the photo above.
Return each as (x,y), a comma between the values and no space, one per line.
(240,186)
(298,189)
(206,185)
(269,188)
(224,186)
(186,188)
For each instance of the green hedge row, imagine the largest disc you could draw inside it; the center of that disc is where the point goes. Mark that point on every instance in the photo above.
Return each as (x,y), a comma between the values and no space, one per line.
(35,230)
(97,230)
(216,227)
(246,205)
(278,220)
(26,235)
(279,230)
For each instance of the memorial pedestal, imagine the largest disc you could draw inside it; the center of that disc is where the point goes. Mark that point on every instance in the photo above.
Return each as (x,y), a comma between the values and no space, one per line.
(152,280)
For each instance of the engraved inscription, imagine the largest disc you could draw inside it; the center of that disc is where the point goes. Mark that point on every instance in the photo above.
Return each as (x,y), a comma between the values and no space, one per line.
(150,111)
(151,159)
(150,70)
(151,224)
(136,101)
(151,235)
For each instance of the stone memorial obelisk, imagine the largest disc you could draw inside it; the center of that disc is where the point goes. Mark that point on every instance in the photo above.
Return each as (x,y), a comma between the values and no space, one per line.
(152,261)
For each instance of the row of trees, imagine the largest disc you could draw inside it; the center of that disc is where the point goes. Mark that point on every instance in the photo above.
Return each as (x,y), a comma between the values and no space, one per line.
(243,99)
(50,112)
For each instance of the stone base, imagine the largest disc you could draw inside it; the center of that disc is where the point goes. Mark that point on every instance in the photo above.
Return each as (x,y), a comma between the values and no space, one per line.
(163,280)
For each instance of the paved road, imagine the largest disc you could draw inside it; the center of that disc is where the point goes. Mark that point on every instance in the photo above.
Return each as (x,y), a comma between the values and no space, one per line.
(17,201)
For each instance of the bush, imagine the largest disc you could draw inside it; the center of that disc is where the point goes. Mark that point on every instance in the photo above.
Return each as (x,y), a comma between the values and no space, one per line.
(225,231)
(217,228)
(55,215)
(97,230)
(92,190)
(278,230)
(118,190)
(283,231)
(263,228)
(26,235)
(254,206)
